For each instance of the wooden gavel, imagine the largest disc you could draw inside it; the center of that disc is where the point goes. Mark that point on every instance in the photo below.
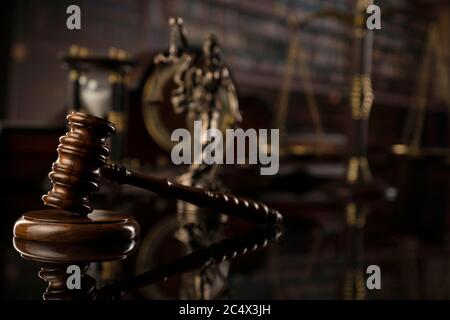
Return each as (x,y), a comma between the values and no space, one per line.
(81,163)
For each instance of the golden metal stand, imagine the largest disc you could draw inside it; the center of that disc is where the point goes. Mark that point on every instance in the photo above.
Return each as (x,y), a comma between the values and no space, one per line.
(434,59)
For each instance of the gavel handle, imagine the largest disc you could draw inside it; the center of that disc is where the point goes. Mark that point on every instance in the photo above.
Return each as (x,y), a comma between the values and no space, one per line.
(226,203)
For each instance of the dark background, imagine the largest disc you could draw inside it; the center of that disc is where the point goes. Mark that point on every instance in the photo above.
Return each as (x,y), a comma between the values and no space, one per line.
(254,39)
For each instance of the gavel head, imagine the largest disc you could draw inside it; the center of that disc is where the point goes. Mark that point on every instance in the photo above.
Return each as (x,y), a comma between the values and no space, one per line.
(82,152)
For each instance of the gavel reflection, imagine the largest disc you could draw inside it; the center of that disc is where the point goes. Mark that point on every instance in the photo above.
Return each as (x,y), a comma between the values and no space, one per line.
(225,250)
(81,163)
(57,256)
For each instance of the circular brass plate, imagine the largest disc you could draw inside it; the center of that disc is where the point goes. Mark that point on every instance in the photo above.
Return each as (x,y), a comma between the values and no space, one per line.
(159,116)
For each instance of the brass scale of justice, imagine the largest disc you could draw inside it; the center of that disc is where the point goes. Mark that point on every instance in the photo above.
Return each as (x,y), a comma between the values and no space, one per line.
(360,191)
(434,58)
(359,174)
(73,233)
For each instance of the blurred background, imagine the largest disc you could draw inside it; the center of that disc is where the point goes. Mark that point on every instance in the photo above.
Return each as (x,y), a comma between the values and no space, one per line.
(293,66)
